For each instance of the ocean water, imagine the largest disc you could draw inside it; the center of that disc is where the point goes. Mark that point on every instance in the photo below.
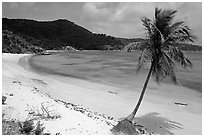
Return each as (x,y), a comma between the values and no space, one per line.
(117,68)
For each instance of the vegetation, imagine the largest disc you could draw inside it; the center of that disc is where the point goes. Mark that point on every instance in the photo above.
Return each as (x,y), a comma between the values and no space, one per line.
(162,52)
(10,127)
(27,127)
(59,33)
(12,43)
(62,33)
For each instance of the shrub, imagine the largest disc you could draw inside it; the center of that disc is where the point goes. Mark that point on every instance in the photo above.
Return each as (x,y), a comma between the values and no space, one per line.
(26,127)
(39,129)
(10,127)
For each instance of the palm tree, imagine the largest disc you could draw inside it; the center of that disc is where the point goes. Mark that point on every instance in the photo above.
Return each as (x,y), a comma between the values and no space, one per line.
(162,53)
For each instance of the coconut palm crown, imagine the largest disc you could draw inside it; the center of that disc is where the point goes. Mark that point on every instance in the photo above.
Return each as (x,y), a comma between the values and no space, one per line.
(160,50)
(163,36)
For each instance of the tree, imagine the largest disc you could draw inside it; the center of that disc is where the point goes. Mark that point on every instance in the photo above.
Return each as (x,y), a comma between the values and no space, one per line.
(162,53)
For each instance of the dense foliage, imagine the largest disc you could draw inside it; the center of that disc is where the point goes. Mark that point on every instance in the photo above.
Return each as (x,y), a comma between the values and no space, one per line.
(62,33)
(59,33)
(12,43)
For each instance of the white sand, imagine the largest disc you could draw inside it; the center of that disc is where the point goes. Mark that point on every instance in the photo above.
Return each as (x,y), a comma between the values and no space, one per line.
(27,98)
(158,113)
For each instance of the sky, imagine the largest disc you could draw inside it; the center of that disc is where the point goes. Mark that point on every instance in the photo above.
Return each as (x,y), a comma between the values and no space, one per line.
(119,19)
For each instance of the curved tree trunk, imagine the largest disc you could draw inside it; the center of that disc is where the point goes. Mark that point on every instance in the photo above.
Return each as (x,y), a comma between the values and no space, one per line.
(132,115)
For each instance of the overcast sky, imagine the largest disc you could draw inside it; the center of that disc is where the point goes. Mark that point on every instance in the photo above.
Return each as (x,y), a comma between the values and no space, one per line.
(115,19)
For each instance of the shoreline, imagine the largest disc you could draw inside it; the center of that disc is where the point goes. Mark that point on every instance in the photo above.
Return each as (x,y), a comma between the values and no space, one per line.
(26,94)
(41,69)
(153,109)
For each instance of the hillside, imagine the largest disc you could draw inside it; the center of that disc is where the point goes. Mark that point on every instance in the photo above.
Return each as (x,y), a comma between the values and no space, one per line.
(139,46)
(59,33)
(12,43)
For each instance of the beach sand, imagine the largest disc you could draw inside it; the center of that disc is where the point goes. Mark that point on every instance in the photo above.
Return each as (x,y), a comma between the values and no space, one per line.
(26,92)
(160,112)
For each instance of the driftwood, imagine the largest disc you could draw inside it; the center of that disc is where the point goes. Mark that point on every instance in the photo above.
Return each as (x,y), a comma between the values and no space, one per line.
(178,103)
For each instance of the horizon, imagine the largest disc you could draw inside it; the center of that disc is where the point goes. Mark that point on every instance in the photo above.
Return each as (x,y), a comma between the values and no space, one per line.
(112,18)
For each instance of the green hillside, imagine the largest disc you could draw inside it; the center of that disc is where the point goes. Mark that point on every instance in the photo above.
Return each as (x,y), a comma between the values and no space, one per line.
(61,33)
(12,43)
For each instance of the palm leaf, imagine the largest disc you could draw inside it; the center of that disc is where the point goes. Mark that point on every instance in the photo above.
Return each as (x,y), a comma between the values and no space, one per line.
(179,57)
(147,25)
(144,57)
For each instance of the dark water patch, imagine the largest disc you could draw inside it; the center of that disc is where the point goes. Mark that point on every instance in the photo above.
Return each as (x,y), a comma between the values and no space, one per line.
(42,70)
(87,69)
(69,64)
(191,84)
(95,61)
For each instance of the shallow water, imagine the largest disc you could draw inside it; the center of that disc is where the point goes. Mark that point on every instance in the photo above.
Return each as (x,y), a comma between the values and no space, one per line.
(116,68)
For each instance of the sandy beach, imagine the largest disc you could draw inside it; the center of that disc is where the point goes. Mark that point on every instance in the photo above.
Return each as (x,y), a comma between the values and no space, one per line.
(160,112)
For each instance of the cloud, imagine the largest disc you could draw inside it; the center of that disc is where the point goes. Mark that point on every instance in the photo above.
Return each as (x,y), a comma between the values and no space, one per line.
(124,19)
(23,6)
(112,18)
(96,11)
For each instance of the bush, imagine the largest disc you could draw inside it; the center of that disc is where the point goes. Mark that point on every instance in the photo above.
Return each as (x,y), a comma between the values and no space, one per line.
(10,127)
(26,127)
(39,129)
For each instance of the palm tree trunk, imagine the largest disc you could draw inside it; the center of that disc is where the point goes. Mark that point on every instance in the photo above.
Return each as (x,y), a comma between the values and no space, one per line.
(132,115)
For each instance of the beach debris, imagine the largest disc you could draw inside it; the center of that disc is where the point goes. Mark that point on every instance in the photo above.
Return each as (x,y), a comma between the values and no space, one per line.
(58,133)
(18,82)
(112,92)
(36,90)
(93,115)
(44,111)
(4,100)
(39,81)
(11,94)
(183,104)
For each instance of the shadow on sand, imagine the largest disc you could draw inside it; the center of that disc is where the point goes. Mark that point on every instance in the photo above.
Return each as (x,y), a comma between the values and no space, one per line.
(156,124)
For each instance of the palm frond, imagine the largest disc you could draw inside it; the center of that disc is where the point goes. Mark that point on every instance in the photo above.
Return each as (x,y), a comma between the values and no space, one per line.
(165,35)
(169,67)
(163,18)
(147,24)
(179,57)
(179,32)
(144,57)
(165,68)
(157,12)
(175,25)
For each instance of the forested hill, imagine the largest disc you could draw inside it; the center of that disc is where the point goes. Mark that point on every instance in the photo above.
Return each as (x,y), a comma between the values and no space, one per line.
(59,33)
(12,43)
(62,33)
